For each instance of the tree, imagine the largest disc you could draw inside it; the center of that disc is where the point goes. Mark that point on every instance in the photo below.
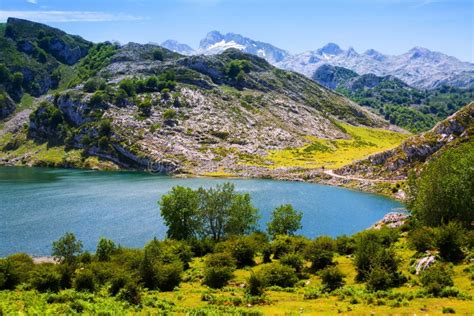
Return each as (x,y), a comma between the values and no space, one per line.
(105,248)
(219,269)
(320,252)
(449,240)
(179,210)
(332,278)
(285,221)
(67,248)
(225,213)
(157,55)
(445,191)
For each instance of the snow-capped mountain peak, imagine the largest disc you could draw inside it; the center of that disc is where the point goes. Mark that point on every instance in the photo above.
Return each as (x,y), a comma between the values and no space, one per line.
(178,47)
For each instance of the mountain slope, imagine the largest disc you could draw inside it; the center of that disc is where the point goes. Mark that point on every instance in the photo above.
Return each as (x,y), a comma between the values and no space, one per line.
(419,67)
(177,47)
(415,151)
(141,106)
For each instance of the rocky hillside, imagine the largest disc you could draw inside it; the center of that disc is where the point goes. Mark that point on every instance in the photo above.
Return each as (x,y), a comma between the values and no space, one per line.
(31,56)
(143,106)
(417,150)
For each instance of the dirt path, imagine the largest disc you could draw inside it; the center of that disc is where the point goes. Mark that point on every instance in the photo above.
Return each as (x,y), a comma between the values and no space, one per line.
(332,174)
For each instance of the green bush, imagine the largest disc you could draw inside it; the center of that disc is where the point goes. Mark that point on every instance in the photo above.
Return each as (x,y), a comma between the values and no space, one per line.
(284,244)
(169,114)
(117,284)
(449,240)
(130,293)
(332,278)
(45,279)
(145,107)
(84,281)
(94,84)
(255,285)
(293,260)
(128,86)
(98,98)
(168,275)
(157,54)
(243,251)
(285,221)
(422,239)
(320,252)
(219,270)
(279,275)
(436,278)
(345,245)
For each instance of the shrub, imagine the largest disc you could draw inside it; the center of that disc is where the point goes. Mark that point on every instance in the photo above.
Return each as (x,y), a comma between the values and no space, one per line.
(267,254)
(378,279)
(117,284)
(218,270)
(157,54)
(345,245)
(449,241)
(45,278)
(145,107)
(435,278)
(278,274)
(255,285)
(128,86)
(94,84)
(422,239)
(130,293)
(168,275)
(105,248)
(448,310)
(98,98)
(8,277)
(84,281)
(169,114)
(177,249)
(282,245)
(243,251)
(312,293)
(293,260)
(332,278)
(120,97)
(320,252)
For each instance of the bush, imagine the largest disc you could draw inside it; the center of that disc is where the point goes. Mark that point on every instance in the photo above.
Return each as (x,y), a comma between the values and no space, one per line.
(436,278)
(422,239)
(345,245)
(332,278)
(117,284)
(128,86)
(45,278)
(84,281)
(219,270)
(243,251)
(379,279)
(283,244)
(145,107)
(94,84)
(157,54)
(293,260)
(449,240)
(168,275)
(448,310)
(169,114)
(279,275)
(130,293)
(320,252)
(255,285)
(67,248)
(98,98)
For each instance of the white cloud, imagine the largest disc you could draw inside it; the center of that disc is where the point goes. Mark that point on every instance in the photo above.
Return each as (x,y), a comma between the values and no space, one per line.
(69,16)
(32,1)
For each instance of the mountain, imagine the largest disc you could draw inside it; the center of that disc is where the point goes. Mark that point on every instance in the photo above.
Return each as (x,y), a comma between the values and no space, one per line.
(215,43)
(140,106)
(413,109)
(413,153)
(177,47)
(32,56)
(419,67)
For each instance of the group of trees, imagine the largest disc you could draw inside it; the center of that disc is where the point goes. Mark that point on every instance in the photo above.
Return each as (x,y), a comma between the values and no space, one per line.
(219,213)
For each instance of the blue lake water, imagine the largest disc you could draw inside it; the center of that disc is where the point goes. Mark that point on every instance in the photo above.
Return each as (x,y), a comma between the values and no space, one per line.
(38,205)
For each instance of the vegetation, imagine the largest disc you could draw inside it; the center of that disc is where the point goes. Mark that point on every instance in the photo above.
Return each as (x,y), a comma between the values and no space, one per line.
(285,221)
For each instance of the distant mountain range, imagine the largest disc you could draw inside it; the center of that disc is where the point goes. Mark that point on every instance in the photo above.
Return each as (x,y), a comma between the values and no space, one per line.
(419,67)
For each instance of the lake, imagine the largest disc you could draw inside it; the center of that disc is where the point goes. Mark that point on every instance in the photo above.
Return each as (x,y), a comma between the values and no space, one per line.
(38,205)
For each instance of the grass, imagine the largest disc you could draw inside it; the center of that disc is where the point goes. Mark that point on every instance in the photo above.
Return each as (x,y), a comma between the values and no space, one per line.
(332,154)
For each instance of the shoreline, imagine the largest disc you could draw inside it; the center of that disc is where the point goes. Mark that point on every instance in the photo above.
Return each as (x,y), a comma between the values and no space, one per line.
(315,176)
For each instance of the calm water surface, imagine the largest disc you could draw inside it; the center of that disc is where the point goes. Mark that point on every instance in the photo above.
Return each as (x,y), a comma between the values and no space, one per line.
(38,205)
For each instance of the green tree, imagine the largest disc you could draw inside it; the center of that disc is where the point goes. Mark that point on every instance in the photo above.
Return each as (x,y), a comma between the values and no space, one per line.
(332,278)
(225,213)
(179,210)
(445,190)
(285,221)
(105,249)
(157,54)
(67,248)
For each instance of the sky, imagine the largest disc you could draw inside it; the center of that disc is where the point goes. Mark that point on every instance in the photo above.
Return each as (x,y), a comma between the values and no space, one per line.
(389,26)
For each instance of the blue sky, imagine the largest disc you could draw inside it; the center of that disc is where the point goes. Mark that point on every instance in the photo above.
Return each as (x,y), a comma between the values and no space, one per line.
(390,26)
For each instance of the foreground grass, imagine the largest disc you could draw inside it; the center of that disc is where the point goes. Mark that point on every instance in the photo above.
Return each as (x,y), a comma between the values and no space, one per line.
(191,297)
(331,154)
